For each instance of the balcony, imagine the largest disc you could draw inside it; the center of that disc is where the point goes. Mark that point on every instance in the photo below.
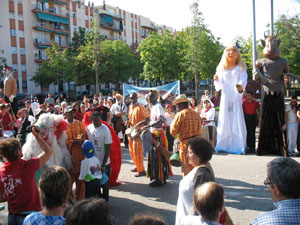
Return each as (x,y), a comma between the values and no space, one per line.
(150,27)
(52,29)
(42,44)
(110,26)
(116,16)
(51,14)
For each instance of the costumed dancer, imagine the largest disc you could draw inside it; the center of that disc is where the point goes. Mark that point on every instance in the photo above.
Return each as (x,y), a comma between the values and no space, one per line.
(231,78)
(208,122)
(270,71)
(53,131)
(158,166)
(10,89)
(137,114)
(186,125)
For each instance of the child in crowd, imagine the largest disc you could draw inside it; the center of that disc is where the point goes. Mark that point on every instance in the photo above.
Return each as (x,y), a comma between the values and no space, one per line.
(54,186)
(17,184)
(208,203)
(147,219)
(21,114)
(90,170)
(89,211)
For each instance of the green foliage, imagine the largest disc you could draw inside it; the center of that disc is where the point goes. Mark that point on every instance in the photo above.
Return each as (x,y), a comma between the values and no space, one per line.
(161,57)
(289,33)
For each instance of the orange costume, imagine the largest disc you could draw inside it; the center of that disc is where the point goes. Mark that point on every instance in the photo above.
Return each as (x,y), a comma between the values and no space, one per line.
(137,113)
(186,124)
(74,131)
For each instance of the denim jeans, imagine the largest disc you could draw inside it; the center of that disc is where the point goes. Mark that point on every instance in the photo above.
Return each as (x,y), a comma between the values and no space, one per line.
(15,219)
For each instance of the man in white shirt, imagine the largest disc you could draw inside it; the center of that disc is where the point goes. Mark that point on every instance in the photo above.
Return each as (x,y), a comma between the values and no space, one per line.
(100,136)
(291,125)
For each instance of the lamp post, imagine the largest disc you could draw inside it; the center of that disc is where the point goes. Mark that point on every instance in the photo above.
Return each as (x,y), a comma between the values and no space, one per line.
(253,39)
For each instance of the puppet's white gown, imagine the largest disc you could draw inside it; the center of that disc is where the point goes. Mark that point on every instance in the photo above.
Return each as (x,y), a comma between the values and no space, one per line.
(231,131)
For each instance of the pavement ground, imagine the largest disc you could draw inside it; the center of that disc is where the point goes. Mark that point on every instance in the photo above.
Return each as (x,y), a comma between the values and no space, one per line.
(241,176)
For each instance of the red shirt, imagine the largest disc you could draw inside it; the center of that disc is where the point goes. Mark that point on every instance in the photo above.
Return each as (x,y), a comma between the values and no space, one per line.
(250,107)
(18,186)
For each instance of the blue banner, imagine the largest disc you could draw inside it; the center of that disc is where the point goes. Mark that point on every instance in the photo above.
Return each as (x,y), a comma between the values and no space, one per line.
(167,92)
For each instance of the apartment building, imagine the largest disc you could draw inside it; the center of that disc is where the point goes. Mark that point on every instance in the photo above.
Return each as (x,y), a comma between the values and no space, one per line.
(28,27)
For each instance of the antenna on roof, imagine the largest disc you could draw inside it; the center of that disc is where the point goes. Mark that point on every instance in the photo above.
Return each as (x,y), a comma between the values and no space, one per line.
(104,6)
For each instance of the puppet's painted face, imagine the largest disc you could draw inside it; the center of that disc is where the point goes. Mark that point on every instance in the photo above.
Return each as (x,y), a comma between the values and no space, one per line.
(232,55)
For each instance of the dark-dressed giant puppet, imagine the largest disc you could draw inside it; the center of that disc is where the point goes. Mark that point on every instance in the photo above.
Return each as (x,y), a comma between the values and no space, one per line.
(270,71)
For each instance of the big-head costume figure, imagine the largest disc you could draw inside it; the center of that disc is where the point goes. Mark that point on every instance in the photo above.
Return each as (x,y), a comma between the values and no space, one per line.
(10,88)
(270,71)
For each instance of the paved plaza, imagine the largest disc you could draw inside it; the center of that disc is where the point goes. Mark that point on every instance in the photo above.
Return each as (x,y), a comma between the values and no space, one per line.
(242,177)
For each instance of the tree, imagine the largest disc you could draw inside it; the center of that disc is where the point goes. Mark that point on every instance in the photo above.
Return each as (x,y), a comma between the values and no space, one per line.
(289,33)
(2,62)
(117,62)
(204,49)
(58,67)
(160,55)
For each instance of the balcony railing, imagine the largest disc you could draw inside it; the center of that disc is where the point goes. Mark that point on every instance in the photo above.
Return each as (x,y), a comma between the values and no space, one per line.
(60,29)
(110,26)
(48,43)
(114,15)
(52,11)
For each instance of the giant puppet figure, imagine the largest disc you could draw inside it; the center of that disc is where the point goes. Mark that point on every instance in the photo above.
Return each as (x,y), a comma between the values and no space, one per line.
(270,71)
(53,131)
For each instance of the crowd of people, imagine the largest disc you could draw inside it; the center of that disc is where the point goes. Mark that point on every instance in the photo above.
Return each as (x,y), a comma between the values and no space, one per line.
(59,143)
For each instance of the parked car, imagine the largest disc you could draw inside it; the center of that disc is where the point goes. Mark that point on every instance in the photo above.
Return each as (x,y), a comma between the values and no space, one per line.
(22,98)
(81,94)
(41,97)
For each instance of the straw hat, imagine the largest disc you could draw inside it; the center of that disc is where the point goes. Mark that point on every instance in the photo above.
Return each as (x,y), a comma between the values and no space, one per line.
(180,99)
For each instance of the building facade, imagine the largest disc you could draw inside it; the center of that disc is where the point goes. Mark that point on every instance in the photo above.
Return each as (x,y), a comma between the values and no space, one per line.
(28,27)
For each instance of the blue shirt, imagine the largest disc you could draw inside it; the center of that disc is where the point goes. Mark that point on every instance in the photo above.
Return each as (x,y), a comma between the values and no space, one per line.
(287,213)
(38,218)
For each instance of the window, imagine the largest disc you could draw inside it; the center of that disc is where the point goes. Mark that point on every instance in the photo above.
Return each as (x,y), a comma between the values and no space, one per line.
(22,51)
(11,0)
(20,17)
(23,68)
(15,67)
(12,32)
(24,83)
(19,1)
(74,15)
(86,17)
(74,28)
(21,33)
(13,50)
(11,15)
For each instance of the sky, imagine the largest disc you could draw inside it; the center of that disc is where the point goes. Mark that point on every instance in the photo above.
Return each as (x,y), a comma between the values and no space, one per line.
(227,19)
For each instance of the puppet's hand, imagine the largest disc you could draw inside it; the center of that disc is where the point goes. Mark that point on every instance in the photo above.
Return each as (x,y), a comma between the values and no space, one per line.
(239,88)
(216,78)
(11,98)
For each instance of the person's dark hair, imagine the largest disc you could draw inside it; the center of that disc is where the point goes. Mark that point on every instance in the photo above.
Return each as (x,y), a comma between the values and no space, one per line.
(9,149)
(194,98)
(294,97)
(183,105)
(95,114)
(90,211)
(202,148)
(250,92)
(55,185)
(209,201)
(285,173)
(146,219)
